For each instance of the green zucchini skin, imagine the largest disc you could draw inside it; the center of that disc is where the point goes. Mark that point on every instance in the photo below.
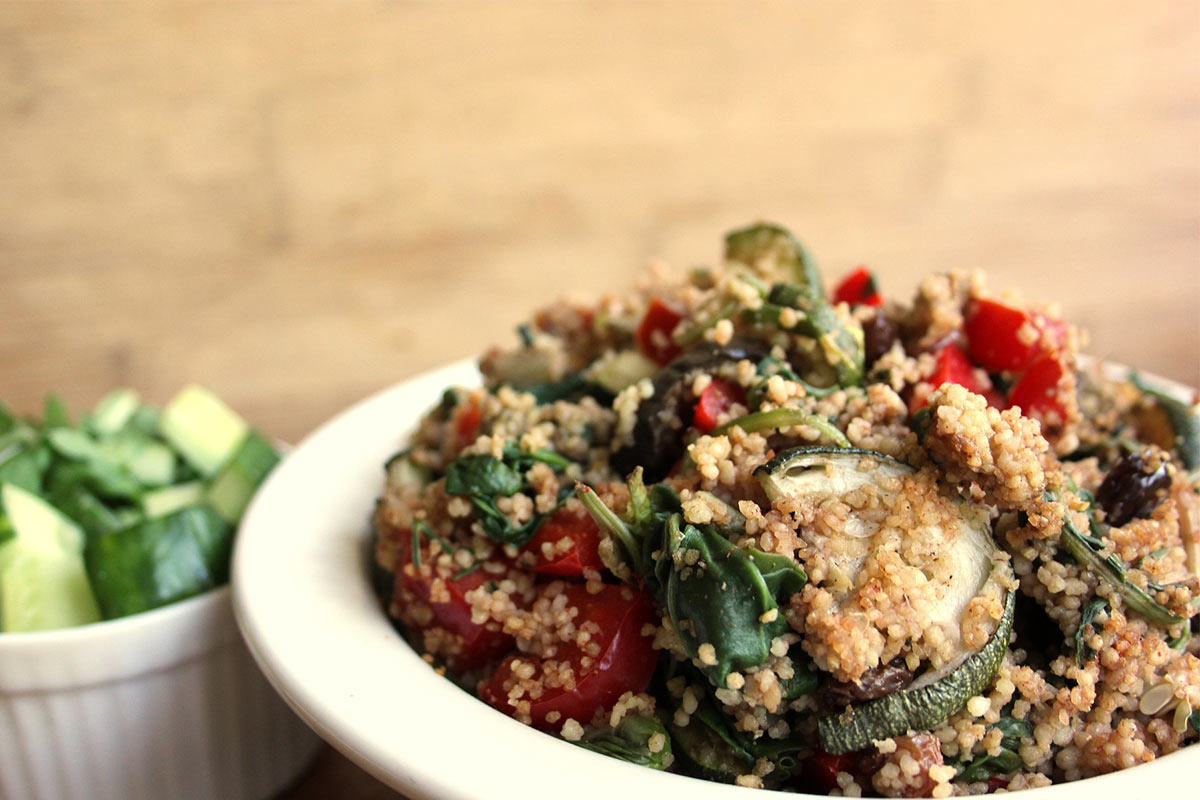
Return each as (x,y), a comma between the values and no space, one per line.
(858,727)
(782,459)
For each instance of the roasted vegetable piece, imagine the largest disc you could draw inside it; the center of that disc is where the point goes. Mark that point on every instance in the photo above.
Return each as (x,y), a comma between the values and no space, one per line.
(663,418)
(624,662)
(927,703)
(1133,488)
(775,249)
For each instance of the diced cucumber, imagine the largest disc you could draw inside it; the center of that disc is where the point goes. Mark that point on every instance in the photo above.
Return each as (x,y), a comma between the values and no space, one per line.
(616,371)
(161,502)
(233,487)
(39,525)
(114,410)
(42,579)
(43,589)
(159,561)
(150,461)
(202,428)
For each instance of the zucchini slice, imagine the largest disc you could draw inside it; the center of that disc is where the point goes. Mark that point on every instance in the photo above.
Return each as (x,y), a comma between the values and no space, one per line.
(819,473)
(928,702)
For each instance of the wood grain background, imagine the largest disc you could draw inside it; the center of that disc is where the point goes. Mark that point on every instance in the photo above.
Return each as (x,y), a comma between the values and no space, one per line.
(299,203)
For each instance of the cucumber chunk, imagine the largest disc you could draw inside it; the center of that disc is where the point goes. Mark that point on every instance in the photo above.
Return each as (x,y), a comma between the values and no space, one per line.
(42,589)
(114,411)
(161,502)
(39,525)
(235,484)
(42,580)
(202,428)
(159,561)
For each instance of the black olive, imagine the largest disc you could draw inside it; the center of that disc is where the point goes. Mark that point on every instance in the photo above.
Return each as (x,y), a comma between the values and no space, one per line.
(661,419)
(879,334)
(1133,488)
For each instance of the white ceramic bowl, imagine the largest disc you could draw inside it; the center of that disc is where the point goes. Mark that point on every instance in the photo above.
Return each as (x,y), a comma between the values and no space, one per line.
(356,681)
(164,704)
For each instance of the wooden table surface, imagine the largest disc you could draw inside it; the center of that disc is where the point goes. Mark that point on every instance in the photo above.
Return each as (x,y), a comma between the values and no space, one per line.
(299,203)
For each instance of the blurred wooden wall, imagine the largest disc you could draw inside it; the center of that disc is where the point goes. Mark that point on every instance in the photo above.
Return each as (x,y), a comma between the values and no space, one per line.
(300,203)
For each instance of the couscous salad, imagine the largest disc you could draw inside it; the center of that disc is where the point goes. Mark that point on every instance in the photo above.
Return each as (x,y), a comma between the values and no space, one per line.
(739,525)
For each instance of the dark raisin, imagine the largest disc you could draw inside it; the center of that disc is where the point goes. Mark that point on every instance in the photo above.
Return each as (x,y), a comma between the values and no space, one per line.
(1133,488)
(878,682)
(879,334)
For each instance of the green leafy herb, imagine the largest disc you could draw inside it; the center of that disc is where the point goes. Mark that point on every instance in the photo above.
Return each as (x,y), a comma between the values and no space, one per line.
(720,595)
(483,479)
(1084,653)
(630,741)
(1006,762)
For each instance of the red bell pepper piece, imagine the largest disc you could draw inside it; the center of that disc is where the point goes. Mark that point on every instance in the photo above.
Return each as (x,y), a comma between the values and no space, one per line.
(654,332)
(717,398)
(858,289)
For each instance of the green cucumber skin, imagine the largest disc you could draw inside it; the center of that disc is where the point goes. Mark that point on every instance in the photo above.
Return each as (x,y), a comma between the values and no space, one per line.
(236,483)
(859,727)
(159,561)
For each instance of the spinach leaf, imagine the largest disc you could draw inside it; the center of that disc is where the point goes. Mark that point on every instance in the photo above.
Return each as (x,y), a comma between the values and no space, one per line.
(483,479)
(1084,653)
(720,595)
(1006,762)
(630,741)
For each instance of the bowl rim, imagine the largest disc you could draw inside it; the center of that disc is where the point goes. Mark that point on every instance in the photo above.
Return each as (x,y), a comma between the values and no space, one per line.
(347,688)
(15,642)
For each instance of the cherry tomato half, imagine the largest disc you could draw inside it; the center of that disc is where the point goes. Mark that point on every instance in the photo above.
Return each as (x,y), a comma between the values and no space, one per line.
(1003,338)
(582,554)
(654,332)
(858,289)
(1039,392)
(953,366)
(717,398)
(465,645)
(621,660)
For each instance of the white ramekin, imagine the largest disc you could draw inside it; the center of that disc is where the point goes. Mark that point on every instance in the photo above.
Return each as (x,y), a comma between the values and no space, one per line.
(165,704)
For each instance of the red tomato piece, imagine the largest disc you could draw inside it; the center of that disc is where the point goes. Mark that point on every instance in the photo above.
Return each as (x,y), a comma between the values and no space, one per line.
(616,659)
(1003,338)
(471,645)
(583,553)
(953,366)
(717,398)
(466,423)
(654,332)
(1039,391)
(858,289)
(1000,337)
